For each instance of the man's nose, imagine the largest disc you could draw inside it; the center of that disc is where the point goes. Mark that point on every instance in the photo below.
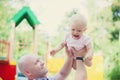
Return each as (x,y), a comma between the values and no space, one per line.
(42,63)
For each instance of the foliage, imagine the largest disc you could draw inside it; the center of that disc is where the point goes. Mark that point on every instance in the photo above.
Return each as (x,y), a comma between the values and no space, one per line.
(110,47)
(116,18)
(105,33)
(115,73)
(116,10)
(5,15)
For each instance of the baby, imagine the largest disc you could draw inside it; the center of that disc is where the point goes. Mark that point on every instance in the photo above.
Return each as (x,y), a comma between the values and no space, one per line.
(77,39)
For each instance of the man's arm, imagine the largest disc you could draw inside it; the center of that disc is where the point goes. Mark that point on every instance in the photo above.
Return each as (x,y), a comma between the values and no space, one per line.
(81,73)
(78,65)
(76,53)
(65,70)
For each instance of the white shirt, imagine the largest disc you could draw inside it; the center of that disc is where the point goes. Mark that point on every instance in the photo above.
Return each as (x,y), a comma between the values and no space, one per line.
(49,78)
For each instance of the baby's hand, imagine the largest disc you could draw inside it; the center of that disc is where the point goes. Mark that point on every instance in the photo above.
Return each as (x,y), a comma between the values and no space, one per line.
(52,53)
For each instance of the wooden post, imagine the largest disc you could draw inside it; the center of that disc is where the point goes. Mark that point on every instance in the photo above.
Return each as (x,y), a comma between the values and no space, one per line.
(119,37)
(12,40)
(48,48)
(47,51)
(35,42)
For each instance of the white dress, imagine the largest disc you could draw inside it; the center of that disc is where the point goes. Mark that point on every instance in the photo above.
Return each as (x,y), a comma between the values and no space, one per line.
(77,43)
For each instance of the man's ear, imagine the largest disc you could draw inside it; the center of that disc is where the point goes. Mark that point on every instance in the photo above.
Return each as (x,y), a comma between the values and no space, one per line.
(27,73)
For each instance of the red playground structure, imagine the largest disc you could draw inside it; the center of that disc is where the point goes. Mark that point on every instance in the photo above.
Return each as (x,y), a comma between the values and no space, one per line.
(7,62)
(7,71)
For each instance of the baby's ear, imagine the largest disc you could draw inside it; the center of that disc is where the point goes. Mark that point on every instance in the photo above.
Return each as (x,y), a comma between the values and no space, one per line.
(85,29)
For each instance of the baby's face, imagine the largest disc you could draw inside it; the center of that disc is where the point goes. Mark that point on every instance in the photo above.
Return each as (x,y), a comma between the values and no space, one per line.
(77,31)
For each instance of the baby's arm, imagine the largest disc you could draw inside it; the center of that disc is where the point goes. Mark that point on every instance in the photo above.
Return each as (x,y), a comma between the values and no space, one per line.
(60,47)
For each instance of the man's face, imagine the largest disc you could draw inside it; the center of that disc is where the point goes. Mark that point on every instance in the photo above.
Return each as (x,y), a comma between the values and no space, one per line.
(36,67)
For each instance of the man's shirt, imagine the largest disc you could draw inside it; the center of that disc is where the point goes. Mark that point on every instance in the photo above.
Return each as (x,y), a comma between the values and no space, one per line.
(49,78)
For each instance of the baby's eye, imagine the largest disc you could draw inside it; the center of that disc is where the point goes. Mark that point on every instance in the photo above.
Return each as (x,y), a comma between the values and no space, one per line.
(79,30)
(73,29)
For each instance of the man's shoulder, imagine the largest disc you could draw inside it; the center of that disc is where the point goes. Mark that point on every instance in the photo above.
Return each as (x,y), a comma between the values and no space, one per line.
(48,78)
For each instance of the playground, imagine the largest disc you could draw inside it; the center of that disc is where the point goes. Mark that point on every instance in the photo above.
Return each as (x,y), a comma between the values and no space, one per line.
(8,64)
(25,35)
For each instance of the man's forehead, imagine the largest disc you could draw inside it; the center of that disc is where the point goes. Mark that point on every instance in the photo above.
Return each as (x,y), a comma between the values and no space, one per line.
(31,58)
(31,55)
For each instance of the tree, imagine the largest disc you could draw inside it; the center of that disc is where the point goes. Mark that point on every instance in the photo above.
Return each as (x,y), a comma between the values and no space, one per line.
(116,19)
(5,14)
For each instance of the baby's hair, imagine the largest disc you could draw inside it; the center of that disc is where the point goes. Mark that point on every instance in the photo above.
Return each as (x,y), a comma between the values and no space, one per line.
(78,19)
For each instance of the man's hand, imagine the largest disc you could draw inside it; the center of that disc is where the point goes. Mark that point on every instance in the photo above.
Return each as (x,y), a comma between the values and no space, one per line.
(68,52)
(65,70)
(88,56)
(80,53)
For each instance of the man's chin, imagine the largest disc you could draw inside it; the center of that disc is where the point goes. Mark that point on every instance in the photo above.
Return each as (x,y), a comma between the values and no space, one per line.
(44,74)
(46,71)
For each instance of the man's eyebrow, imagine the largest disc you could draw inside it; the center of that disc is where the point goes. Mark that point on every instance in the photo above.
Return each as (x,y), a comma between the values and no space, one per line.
(36,61)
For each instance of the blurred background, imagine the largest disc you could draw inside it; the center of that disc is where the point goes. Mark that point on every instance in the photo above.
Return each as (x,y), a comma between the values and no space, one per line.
(103,17)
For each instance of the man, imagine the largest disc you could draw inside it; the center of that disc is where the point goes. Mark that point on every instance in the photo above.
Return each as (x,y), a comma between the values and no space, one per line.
(33,68)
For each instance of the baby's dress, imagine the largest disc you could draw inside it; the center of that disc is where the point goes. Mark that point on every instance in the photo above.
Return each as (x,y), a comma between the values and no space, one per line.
(77,43)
